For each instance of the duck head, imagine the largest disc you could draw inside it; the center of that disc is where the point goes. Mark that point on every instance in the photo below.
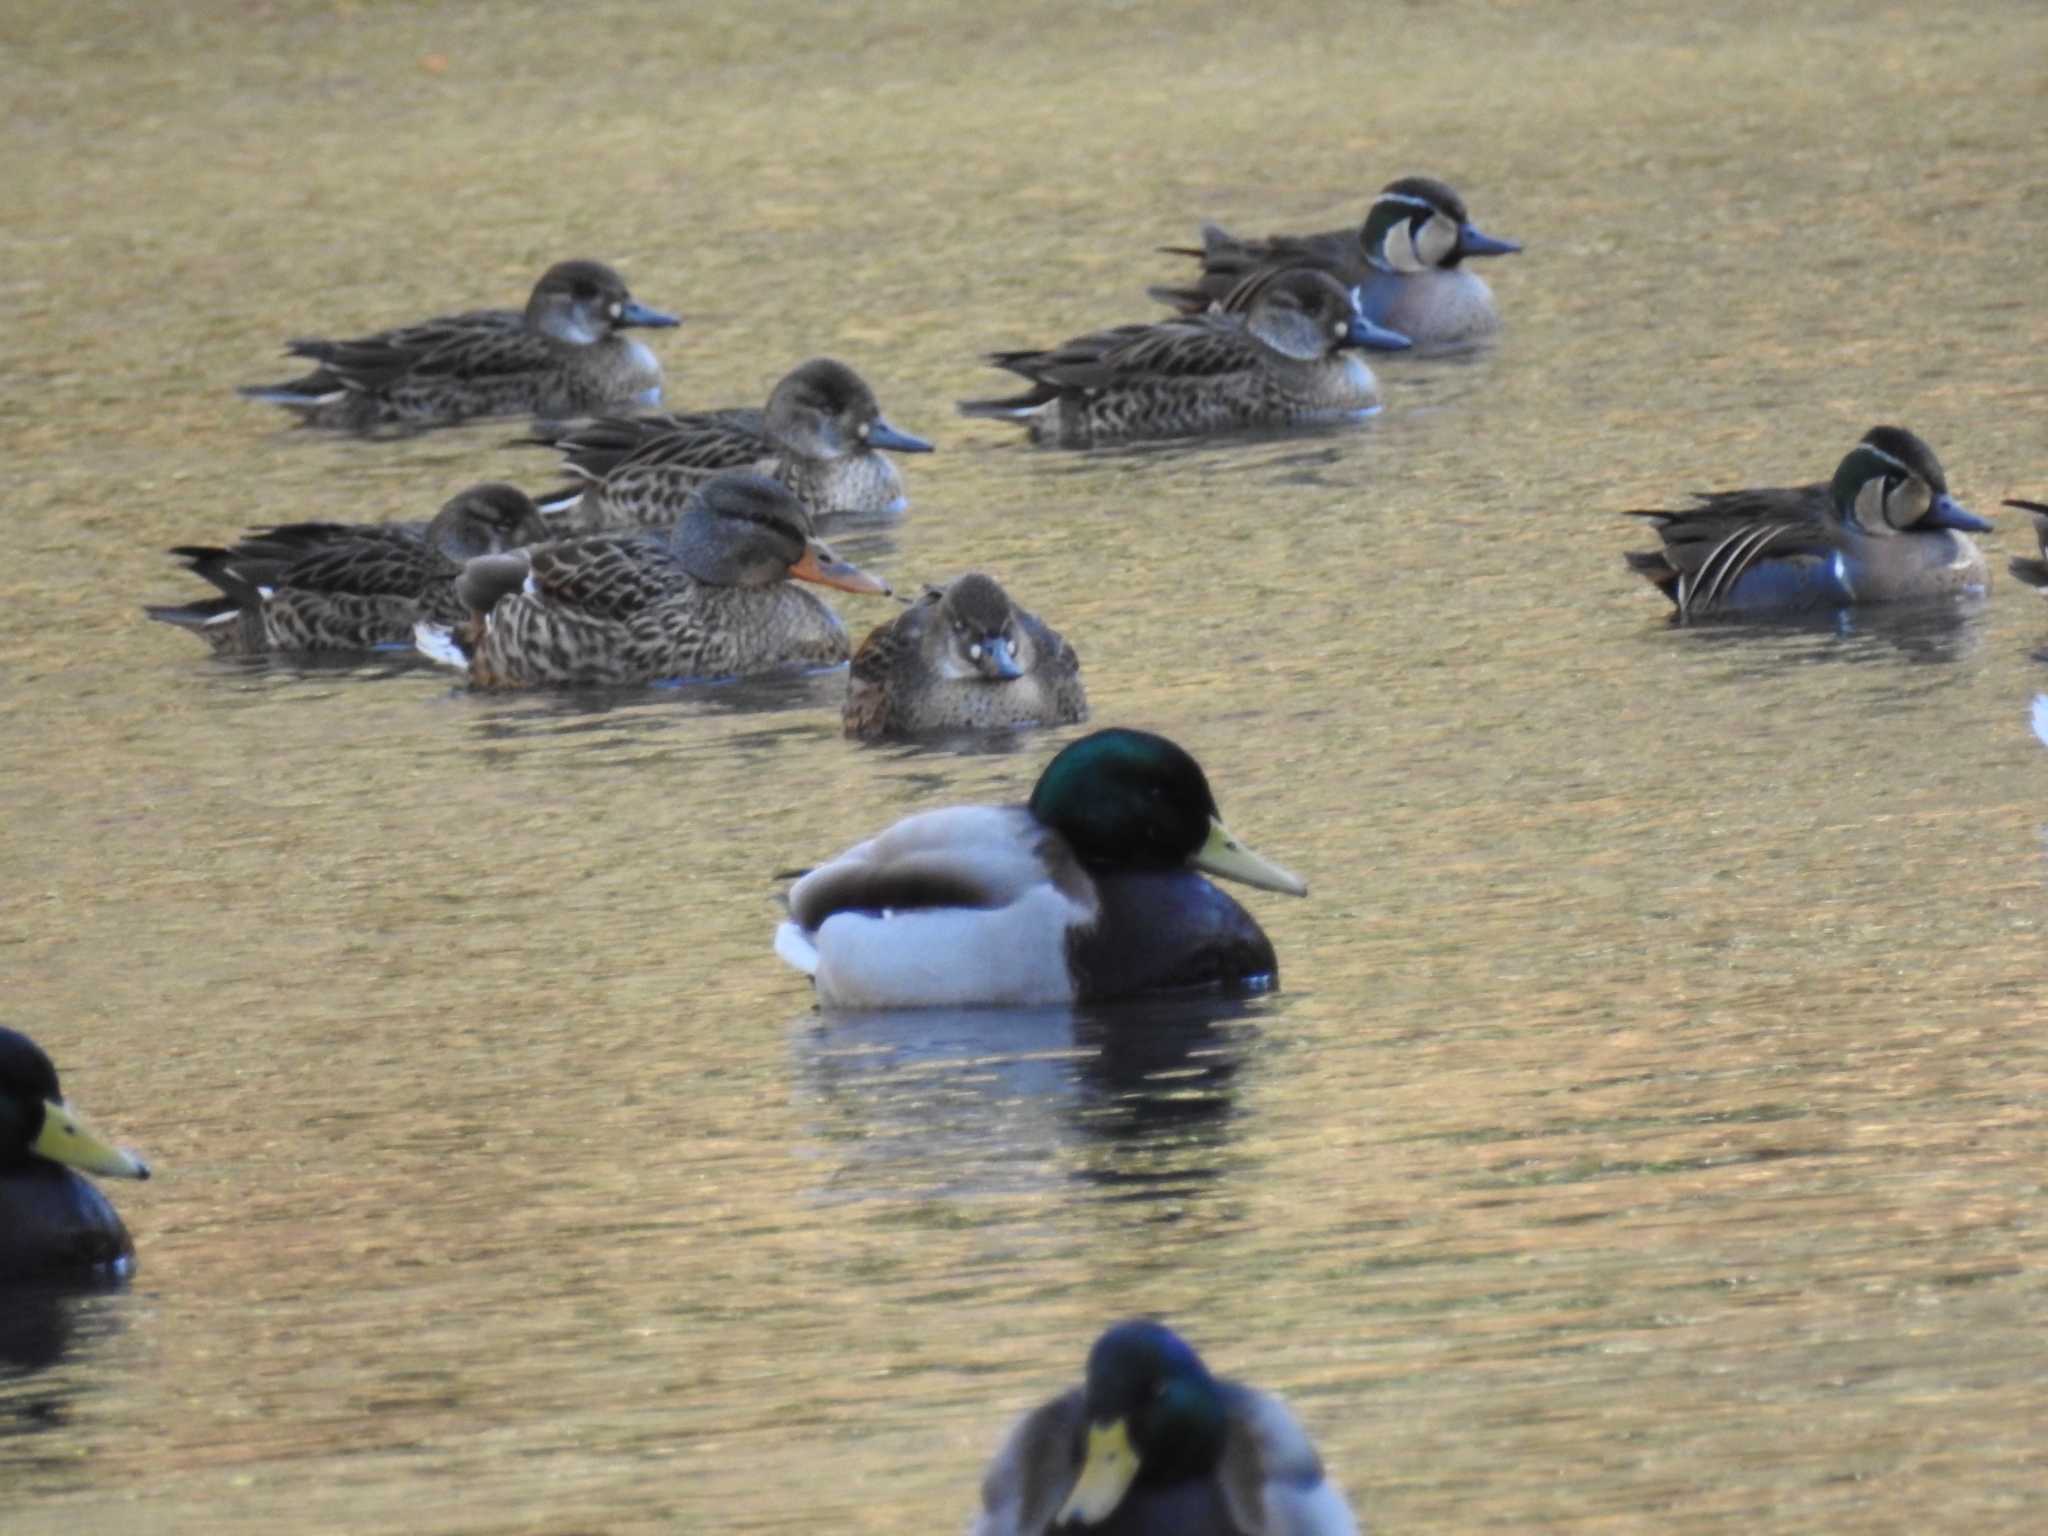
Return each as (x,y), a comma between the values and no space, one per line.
(581,302)
(37,1123)
(486,520)
(1891,483)
(1307,315)
(747,530)
(1418,224)
(1154,1416)
(1128,799)
(824,410)
(977,635)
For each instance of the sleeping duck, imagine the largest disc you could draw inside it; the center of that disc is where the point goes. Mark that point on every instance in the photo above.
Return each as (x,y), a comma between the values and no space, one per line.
(962,658)
(1093,891)
(1152,1445)
(54,1225)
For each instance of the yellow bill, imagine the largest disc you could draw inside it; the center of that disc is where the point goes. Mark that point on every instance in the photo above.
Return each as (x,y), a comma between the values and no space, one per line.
(1107,1471)
(1224,856)
(67,1139)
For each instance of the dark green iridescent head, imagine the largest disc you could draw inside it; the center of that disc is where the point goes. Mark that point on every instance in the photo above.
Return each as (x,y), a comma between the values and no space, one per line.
(1891,482)
(1147,1377)
(1126,800)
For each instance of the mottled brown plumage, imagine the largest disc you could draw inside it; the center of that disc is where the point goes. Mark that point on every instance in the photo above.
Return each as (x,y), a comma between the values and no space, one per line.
(713,599)
(562,356)
(340,587)
(962,659)
(821,434)
(1278,355)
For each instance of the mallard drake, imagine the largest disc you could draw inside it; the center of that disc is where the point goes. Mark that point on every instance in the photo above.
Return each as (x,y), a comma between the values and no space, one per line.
(2034,572)
(347,586)
(1277,353)
(1151,1444)
(54,1225)
(1885,529)
(821,434)
(563,356)
(1406,261)
(962,658)
(713,599)
(1091,892)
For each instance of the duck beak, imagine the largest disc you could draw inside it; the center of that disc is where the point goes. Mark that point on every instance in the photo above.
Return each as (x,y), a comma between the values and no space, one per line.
(1474,241)
(1365,333)
(882,435)
(1947,512)
(636,313)
(1107,1471)
(819,564)
(1225,857)
(67,1139)
(998,660)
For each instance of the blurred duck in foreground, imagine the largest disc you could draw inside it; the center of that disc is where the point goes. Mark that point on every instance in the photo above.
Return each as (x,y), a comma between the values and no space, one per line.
(1150,1444)
(337,587)
(1091,892)
(714,598)
(822,435)
(563,356)
(54,1225)
(1885,529)
(1406,261)
(2034,572)
(1279,352)
(962,658)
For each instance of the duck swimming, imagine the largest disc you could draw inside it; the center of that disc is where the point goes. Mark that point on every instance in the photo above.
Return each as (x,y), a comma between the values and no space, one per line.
(1279,352)
(821,434)
(1150,1444)
(335,587)
(562,356)
(1091,892)
(1885,529)
(962,658)
(1406,261)
(54,1225)
(2034,572)
(713,599)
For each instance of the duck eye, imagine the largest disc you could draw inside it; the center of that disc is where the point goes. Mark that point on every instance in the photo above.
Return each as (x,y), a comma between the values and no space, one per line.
(974,650)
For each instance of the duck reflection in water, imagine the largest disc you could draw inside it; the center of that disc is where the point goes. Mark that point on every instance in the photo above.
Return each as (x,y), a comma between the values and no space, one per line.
(1138,1098)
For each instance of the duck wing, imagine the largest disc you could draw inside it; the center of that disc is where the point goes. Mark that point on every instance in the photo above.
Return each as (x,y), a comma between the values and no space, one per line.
(1270,1474)
(1708,547)
(603,576)
(977,856)
(1034,1471)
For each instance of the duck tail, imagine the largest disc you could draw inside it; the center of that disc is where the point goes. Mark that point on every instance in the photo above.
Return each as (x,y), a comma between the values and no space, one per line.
(795,948)
(1014,407)
(1183,301)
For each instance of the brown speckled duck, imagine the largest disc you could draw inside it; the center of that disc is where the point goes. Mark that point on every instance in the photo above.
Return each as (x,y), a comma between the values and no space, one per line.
(563,356)
(715,598)
(1279,353)
(962,658)
(821,434)
(334,587)
(1406,263)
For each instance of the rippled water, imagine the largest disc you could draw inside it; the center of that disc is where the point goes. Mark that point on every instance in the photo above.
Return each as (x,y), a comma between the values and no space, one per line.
(1649,1133)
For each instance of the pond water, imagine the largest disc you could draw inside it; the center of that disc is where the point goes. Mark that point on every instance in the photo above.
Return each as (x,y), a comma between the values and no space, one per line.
(1649,1132)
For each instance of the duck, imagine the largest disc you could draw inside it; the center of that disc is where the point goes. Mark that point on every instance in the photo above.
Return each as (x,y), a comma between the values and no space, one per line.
(1406,261)
(822,434)
(1151,1444)
(1092,892)
(962,657)
(2034,572)
(563,356)
(54,1225)
(340,587)
(1276,353)
(1884,529)
(713,599)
